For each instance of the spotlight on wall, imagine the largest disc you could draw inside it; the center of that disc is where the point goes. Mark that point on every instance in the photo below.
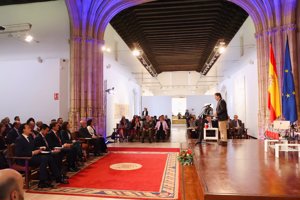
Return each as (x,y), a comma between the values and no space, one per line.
(28,38)
(110,90)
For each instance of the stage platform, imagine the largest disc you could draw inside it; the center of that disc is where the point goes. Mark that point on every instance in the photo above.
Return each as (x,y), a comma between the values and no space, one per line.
(243,171)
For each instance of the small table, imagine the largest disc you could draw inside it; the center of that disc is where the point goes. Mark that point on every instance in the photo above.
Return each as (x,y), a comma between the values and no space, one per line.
(216,137)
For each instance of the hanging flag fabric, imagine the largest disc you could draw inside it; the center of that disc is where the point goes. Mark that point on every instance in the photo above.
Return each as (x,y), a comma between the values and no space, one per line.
(273,88)
(289,109)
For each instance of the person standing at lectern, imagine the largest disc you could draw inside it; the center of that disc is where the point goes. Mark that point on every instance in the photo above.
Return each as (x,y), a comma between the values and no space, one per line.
(222,115)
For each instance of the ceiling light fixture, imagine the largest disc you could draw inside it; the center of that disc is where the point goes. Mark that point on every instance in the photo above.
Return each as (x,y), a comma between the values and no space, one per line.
(28,38)
(136,52)
(220,48)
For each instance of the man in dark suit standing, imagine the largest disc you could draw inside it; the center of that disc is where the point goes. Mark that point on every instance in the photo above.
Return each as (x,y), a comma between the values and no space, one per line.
(24,147)
(54,140)
(145,113)
(222,115)
(13,134)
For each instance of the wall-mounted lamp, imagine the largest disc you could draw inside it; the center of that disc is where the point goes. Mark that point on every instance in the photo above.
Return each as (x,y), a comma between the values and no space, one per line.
(110,90)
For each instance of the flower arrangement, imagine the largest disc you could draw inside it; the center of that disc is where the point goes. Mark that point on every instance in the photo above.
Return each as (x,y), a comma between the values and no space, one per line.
(186,157)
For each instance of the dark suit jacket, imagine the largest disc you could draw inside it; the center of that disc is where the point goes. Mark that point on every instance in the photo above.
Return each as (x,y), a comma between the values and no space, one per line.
(233,123)
(23,148)
(64,135)
(52,140)
(11,136)
(222,110)
(84,133)
(39,142)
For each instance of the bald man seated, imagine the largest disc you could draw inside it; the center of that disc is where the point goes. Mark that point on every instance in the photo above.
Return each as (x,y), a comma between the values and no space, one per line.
(11,185)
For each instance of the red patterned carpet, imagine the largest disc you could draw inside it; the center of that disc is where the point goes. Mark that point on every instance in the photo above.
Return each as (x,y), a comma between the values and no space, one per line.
(137,173)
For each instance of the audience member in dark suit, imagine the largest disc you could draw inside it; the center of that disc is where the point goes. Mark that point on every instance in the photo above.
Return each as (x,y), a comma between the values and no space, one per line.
(84,133)
(7,124)
(17,118)
(40,141)
(3,163)
(54,140)
(66,138)
(237,126)
(24,147)
(32,126)
(13,133)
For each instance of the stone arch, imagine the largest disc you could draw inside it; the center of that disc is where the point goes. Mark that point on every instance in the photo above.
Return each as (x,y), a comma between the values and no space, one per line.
(272,19)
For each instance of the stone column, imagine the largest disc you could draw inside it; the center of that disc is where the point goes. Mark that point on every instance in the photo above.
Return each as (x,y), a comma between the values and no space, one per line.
(272,18)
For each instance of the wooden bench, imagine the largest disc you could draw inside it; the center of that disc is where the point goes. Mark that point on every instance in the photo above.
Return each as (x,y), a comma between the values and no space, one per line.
(287,148)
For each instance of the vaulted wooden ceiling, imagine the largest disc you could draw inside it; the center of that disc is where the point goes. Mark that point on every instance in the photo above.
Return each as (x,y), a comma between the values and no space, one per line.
(10,2)
(179,35)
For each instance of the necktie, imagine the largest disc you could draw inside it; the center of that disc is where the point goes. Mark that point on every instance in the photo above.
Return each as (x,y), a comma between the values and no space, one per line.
(58,139)
(45,142)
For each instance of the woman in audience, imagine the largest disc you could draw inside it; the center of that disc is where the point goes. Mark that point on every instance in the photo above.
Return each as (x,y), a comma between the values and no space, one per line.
(162,128)
(123,126)
(92,131)
(135,128)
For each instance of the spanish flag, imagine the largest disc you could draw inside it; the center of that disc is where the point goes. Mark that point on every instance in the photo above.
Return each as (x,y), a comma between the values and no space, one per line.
(273,89)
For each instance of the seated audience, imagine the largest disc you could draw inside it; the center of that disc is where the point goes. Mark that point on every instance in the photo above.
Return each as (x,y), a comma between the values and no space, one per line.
(237,127)
(161,128)
(147,129)
(136,127)
(39,125)
(123,127)
(7,124)
(41,142)
(24,147)
(17,118)
(192,127)
(31,123)
(93,139)
(54,141)
(92,130)
(3,163)
(11,185)
(13,133)
(66,138)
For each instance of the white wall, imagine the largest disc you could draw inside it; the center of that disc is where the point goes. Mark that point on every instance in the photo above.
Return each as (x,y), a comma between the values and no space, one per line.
(195,103)
(119,66)
(27,89)
(158,105)
(162,105)
(239,85)
(27,85)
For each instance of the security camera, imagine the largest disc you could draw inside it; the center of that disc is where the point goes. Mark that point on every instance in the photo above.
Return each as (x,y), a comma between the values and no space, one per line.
(2,28)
